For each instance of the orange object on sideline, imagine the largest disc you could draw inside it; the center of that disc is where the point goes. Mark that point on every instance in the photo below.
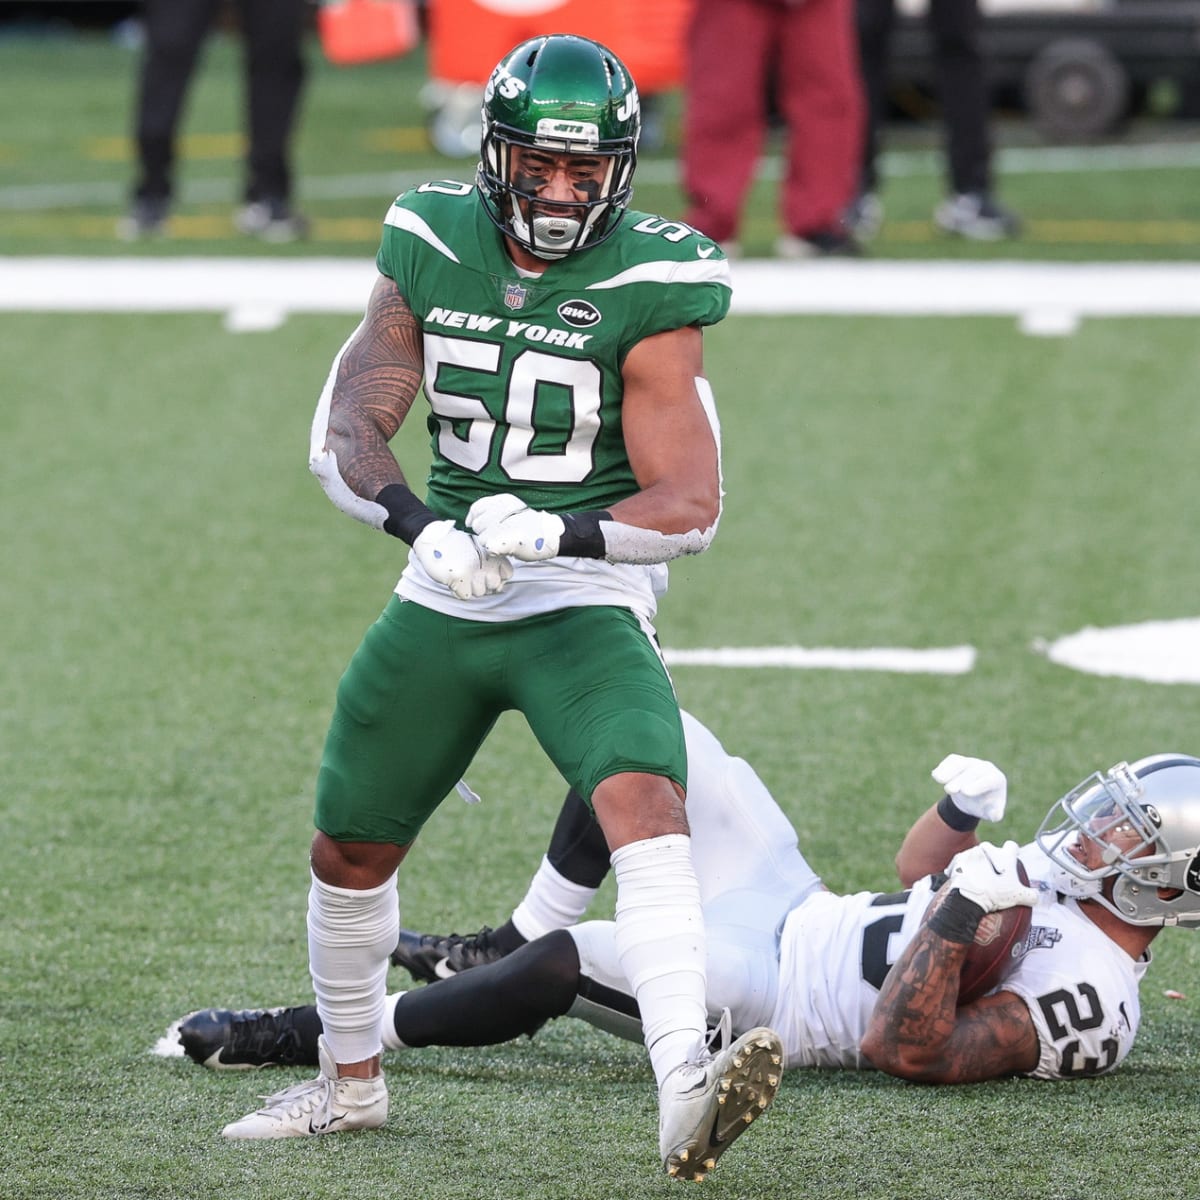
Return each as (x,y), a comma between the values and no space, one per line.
(358,31)
(468,37)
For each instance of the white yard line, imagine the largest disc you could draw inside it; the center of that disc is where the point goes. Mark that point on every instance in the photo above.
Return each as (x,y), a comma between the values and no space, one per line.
(948,660)
(1155,651)
(967,289)
(246,289)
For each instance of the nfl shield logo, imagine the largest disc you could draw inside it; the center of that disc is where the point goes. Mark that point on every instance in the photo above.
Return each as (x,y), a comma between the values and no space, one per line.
(514,295)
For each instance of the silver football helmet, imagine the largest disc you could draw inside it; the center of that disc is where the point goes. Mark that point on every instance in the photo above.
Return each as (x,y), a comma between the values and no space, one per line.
(1154,807)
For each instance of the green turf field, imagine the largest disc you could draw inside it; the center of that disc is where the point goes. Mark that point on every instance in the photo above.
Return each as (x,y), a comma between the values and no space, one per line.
(179,598)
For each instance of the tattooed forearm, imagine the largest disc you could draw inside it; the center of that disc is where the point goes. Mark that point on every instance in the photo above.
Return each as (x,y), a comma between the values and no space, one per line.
(376,384)
(916,1006)
(918,1032)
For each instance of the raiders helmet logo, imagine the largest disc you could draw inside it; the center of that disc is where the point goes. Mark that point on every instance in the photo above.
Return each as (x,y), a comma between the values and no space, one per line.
(1192,877)
(579,313)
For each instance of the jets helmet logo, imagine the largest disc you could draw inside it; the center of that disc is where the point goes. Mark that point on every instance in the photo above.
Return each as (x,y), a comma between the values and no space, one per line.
(504,82)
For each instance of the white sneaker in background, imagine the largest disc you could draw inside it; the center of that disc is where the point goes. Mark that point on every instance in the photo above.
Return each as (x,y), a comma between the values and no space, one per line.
(977,217)
(864,216)
(270,221)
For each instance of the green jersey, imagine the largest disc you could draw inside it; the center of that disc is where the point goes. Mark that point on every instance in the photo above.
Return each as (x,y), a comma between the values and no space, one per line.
(523,374)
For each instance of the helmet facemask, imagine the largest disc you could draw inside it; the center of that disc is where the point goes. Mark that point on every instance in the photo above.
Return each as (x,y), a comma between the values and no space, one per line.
(1128,814)
(557,228)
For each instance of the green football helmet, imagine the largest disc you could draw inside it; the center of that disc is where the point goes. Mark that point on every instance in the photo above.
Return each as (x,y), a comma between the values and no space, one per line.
(566,95)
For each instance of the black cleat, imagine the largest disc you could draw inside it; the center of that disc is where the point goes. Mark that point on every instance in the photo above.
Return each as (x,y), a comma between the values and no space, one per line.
(255,1037)
(430,956)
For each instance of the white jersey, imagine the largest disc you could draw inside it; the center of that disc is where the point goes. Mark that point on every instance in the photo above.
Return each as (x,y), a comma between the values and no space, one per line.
(1080,988)
(834,953)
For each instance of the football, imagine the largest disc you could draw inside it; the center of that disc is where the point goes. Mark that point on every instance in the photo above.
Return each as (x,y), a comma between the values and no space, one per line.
(991,955)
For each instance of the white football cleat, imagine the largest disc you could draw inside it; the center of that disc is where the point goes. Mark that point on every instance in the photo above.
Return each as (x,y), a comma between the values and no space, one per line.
(326,1104)
(703,1106)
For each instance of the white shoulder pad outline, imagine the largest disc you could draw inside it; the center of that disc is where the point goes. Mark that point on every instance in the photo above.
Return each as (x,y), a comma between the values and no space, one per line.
(666,271)
(410,222)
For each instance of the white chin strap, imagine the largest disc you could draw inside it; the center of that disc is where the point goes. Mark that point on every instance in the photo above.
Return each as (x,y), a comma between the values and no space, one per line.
(1066,884)
(1051,871)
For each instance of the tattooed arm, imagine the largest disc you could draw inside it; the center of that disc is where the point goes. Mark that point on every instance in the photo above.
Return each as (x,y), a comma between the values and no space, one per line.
(371,386)
(370,389)
(918,1032)
(375,381)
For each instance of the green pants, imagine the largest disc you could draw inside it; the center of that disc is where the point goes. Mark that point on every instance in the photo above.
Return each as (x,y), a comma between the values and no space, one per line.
(423,690)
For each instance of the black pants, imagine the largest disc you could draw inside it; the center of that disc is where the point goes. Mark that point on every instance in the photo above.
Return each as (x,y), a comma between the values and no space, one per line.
(273,32)
(954,27)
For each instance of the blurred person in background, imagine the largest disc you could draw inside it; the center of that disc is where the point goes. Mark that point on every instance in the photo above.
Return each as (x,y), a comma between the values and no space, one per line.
(273,32)
(970,210)
(741,54)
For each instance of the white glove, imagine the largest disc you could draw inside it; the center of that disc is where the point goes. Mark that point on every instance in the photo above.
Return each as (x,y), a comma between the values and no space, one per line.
(506,525)
(496,570)
(975,786)
(987,875)
(454,558)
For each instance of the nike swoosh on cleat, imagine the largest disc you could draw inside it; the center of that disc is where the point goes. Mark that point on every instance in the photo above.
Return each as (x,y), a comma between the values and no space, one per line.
(443,970)
(327,1126)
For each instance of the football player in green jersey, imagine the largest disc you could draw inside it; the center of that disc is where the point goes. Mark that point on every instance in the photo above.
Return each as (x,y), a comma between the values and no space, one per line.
(576,450)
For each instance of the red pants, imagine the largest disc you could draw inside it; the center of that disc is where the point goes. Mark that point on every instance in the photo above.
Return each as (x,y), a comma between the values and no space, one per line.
(807,52)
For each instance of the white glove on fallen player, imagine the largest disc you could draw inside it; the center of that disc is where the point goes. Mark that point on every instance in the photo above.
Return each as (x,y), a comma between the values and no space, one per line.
(506,525)
(987,875)
(975,786)
(453,558)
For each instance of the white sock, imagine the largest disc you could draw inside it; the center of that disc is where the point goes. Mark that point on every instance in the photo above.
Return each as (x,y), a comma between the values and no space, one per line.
(391,1039)
(552,902)
(350,936)
(661,946)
